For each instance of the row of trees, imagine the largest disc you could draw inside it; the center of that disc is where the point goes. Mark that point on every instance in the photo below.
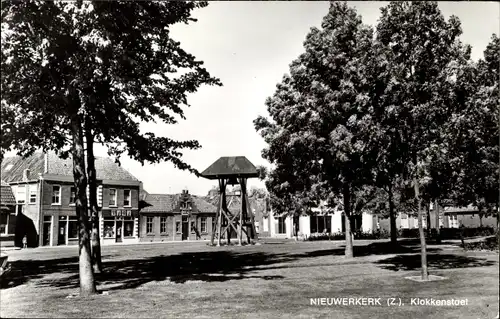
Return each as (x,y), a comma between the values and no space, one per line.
(79,73)
(398,114)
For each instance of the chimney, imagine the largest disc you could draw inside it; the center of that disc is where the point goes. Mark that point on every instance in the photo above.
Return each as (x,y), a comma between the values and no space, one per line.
(26,175)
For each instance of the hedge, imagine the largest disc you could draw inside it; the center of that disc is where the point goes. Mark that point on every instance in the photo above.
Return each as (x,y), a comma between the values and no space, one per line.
(445,233)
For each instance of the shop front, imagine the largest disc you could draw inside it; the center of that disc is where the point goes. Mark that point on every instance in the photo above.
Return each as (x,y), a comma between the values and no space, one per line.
(119,226)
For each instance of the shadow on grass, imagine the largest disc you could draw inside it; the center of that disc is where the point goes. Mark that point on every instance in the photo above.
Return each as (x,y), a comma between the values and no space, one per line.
(382,248)
(124,274)
(439,261)
(211,266)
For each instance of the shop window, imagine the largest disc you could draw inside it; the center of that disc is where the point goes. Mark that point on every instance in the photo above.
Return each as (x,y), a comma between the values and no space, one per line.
(128,227)
(126,198)
(163,225)
(149,225)
(109,229)
(203,224)
(56,195)
(112,197)
(72,196)
(72,227)
(178,227)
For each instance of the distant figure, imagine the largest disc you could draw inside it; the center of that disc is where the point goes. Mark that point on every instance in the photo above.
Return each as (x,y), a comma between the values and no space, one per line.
(462,234)
(25,241)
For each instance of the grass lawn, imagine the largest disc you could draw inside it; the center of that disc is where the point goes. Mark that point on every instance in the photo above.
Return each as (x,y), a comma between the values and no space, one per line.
(272,280)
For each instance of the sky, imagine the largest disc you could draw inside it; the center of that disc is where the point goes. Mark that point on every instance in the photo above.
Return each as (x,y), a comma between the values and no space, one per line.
(249,46)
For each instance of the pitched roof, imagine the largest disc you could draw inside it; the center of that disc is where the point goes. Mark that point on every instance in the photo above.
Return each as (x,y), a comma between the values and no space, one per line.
(238,166)
(160,202)
(168,203)
(453,209)
(203,206)
(13,167)
(105,168)
(6,195)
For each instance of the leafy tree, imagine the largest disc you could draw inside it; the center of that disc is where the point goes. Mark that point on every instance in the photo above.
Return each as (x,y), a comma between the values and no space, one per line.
(95,69)
(476,129)
(421,46)
(320,139)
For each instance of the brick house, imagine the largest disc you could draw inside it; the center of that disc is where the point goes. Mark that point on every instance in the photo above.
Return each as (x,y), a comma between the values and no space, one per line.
(45,194)
(175,217)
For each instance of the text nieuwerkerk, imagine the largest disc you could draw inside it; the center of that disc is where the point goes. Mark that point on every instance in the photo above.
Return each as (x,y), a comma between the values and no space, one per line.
(368,301)
(346,301)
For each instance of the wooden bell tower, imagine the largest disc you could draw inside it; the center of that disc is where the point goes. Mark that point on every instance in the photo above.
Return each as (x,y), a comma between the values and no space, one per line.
(232,171)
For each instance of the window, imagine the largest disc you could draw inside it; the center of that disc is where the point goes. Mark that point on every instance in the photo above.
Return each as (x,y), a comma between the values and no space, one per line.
(6,223)
(33,194)
(453,221)
(112,197)
(126,198)
(128,227)
(321,224)
(163,225)
(257,227)
(193,226)
(178,227)
(109,229)
(149,225)
(72,227)
(56,195)
(21,194)
(281,225)
(203,225)
(72,196)
(265,224)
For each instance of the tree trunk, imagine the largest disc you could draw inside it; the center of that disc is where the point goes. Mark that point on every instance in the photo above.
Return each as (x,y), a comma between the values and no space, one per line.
(347,221)
(428,219)
(392,217)
(423,249)
(94,211)
(87,282)
(438,230)
(296,224)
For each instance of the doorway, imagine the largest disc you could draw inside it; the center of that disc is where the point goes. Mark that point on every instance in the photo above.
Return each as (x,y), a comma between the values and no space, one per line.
(47,227)
(185,228)
(63,225)
(119,224)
